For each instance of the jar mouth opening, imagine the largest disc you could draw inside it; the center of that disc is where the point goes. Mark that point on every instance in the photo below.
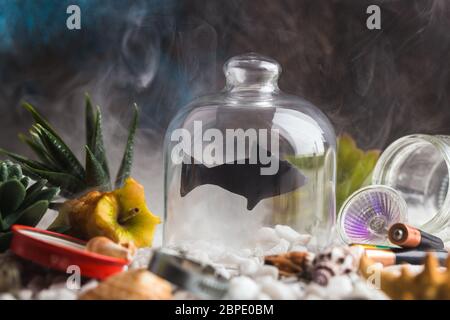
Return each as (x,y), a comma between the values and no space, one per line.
(418,167)
(253,62)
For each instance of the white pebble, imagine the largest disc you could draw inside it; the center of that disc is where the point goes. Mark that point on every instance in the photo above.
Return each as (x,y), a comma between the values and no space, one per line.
(267,271)
(48,294)
(231,259)
(243,288)
(276,289)
(88,286)
(25,294)
(224,272)
(302,240)
(7,296)
(298,290)
(287,233)
(263,296)
(281,247)
(266,238)
(316,290)
(313,297)
(249,267)
(299,248)
(339,286)
(362,291)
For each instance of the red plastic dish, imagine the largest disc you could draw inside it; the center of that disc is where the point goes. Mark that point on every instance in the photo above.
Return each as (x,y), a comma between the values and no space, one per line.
(59,251)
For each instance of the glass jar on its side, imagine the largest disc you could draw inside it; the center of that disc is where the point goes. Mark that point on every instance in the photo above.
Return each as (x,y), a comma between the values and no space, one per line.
(418,167)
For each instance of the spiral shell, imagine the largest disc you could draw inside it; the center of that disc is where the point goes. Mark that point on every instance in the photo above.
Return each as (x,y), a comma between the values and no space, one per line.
(332,262)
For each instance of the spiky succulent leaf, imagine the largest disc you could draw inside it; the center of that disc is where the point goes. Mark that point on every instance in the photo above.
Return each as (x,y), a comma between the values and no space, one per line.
(35,188)
(60,152)
(95,173)
(12,194)
(89,120)
(97,146)
(127,159)
(54,144)
(35,144)
(58,164)
(69,184)
(39,119)
(354,168)
(45,194)
(24,161)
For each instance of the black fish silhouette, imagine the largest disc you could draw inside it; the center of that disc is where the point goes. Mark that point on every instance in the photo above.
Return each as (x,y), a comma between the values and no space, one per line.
(243,179)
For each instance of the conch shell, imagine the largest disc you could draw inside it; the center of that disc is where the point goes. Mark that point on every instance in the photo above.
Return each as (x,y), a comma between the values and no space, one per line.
(107,247)
(430,284)
(291,263)
(138,284)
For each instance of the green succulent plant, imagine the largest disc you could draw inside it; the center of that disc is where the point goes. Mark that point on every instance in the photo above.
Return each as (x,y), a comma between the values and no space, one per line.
(19,202)
(354,168)
(58,164)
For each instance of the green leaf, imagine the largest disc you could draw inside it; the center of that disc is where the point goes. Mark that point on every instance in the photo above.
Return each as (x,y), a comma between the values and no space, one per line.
(35,188)
(57,144)
(3,172)
(68,183)
(127,160)
(25,181)
(60,152)
(354,168)
(97,147)
(38,148)
(14,172)
(12,194)
(90,121)
(3,227)
(39,119)
(95,174)
(23,160)
(45,194)
(30,216)
(5,241)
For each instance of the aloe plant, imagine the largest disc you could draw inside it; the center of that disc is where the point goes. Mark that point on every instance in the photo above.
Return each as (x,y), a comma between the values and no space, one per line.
(20,203)
(60,167)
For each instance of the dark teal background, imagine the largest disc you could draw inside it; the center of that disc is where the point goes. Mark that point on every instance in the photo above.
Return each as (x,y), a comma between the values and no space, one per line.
(376,84)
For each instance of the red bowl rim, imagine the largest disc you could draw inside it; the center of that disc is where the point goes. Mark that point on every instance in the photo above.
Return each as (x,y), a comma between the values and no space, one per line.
(87,254)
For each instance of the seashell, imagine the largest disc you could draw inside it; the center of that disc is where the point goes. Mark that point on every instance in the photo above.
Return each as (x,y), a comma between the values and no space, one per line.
(430,284)
(107,247)
(291,263)
(138,284)
(335,261)
(367,214)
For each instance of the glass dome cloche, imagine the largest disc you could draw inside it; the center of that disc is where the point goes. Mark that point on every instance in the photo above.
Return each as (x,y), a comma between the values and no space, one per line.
(248,157)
